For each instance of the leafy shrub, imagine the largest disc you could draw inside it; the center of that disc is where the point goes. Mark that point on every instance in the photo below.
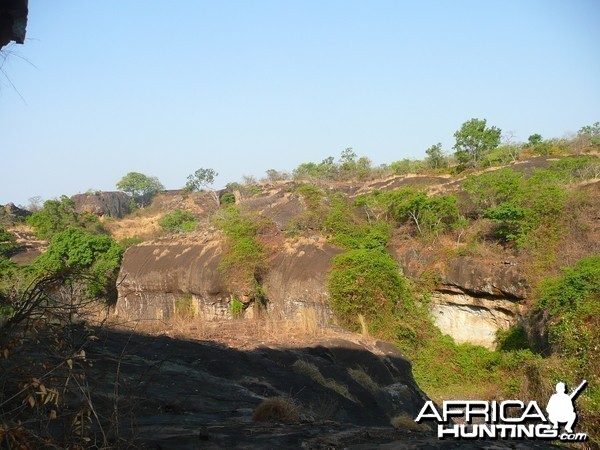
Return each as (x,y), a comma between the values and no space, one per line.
(178,221)
(406,166)
(572,303)
(490,189)
(312,218)
(576,168)
(430,215)
(184,308)
(515,338)
(96,257)
(366,282)
(245,257)
(228,199)
(502,155)
(348,167)
(237,307)
(8,243)
(511,220)
(130,241)
(572,289)
(58,215)
(312,195)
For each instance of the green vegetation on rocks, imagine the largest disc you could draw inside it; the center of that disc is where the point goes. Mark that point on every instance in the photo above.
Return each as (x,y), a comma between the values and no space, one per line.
(245,257)
(58,215)
(8,243)
(178,221)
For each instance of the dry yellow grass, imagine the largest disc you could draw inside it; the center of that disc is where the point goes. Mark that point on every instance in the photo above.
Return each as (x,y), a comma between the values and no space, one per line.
(145,227)
(311,371)
(406,422)
(364,328)
(361,377)
(277,409)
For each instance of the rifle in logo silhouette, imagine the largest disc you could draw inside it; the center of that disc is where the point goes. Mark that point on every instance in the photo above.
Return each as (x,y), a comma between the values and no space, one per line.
(579,388)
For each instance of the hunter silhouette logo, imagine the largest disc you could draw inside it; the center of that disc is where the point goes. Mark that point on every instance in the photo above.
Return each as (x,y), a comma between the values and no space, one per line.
(508,419)
(560,406)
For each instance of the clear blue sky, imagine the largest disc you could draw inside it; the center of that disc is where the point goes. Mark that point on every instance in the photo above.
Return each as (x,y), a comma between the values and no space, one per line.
(166,87)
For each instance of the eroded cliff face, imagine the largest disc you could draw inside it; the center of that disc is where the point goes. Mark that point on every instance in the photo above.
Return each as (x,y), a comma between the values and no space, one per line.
(472,301)
(297,280)
(476,298)
(473,297)
(160,278)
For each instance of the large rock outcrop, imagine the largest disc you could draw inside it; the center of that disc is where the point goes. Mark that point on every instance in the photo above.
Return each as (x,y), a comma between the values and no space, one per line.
(476,298)
(297,279)
(11,214)
(473,297)
(158,278)
(110,204)
(501,279)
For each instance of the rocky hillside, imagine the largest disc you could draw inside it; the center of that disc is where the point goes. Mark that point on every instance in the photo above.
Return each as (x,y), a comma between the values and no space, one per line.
(460,274)
(479,287)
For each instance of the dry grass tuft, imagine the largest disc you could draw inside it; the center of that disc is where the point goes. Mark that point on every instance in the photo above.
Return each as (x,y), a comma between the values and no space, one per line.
(364,328)
(309,322)
(311,371)
(406,422)
(364,379)
(277,409)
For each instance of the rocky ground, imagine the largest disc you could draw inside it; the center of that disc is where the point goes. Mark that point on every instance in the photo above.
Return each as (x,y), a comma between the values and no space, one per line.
(158,390)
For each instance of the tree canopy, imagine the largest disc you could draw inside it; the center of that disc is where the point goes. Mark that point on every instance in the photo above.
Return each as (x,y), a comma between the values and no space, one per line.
(58,215)
(201,178)
(475,140)
(141,187)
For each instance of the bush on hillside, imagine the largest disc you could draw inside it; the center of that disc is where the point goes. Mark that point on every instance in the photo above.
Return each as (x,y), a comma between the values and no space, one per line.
(178,221)
(572,303)
(58,215)
(366,282)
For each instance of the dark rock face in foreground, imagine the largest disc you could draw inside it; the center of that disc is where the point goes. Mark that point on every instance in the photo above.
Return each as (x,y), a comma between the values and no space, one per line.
(111,204)
(191,394)
(176,394)
(155,392)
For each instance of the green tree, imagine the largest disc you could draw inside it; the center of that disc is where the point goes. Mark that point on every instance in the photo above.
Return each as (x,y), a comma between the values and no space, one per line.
(203,179)
(475,140)
(141,187)
(535,139)
(325,169)
(96,258)
(58,215)
(406,165)
(435,156)
(591,133)
(430,215)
